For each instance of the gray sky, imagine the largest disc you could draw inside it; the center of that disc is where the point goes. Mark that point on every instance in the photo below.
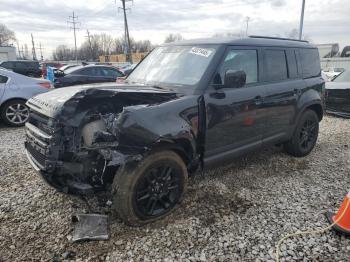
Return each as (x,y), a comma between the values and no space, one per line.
(325,20)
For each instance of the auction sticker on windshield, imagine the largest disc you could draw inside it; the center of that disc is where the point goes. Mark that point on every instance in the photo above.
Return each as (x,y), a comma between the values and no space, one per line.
(201,51)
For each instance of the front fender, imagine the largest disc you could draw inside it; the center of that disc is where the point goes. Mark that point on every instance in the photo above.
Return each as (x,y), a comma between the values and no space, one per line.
(147,127)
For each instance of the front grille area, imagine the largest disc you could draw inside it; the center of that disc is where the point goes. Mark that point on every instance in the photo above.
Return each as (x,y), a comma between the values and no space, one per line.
(38,157)
(40,121)
(39,138)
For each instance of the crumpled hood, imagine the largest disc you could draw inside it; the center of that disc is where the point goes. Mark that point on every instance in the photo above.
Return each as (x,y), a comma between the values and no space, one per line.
(52,103)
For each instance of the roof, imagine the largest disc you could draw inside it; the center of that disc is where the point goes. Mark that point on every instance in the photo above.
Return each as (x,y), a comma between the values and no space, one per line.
(250,41)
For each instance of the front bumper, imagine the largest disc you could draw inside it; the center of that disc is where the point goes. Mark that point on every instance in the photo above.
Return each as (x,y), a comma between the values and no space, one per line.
(61,183)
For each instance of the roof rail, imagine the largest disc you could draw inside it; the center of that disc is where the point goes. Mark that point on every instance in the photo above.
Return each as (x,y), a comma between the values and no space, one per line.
(277,38)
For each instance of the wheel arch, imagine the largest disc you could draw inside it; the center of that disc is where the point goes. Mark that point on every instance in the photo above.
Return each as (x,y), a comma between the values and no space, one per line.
(317,108)
(183,147)
(12,99)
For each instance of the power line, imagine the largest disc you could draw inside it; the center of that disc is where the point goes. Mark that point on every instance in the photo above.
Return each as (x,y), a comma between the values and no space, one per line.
(73,21)
(126,31)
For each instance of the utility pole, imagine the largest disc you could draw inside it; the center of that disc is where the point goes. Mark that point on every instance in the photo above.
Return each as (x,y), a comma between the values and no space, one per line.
(247,21)
(126,32)
(90,44)
(73,21)
(41,52)
(301,20)
(33,48)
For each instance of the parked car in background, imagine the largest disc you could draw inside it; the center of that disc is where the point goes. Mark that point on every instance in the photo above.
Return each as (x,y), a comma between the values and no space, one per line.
(338,95)
(23,67)
(44,66)
(65,67)
(186,106)
(15,90)
(331,72)
(88,74)
(60,71)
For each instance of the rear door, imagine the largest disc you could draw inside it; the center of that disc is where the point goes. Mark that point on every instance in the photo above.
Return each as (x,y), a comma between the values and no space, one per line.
(235,116)
(284,86)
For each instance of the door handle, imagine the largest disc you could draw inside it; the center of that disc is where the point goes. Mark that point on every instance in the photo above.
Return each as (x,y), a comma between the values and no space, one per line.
(258,100)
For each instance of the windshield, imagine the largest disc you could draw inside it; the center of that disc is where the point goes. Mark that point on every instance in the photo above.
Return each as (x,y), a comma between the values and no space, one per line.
(343,77)
(175,65)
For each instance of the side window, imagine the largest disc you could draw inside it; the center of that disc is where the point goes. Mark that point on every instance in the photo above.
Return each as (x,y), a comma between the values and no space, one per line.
(114,73)
(292,64)
(275,65)
(310,62)
(8,65)
(3,79)
(86,72)
(20,65)
(245,60)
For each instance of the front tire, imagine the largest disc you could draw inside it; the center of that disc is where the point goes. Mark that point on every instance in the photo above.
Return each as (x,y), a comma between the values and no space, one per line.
(305,135)
(14,113)
(150,190)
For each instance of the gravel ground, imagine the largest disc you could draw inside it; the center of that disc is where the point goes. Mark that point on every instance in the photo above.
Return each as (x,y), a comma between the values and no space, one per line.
(234,213)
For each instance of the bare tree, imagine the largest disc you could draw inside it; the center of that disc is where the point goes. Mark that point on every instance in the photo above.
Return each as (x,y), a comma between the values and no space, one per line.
(63,53)
(173,38)
(6,35)
(101,45)
(293,34)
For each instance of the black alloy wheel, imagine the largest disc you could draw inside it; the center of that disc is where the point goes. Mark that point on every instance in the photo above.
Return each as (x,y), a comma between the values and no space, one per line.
(308,134)
(151,189)
(305,135)
(157,191)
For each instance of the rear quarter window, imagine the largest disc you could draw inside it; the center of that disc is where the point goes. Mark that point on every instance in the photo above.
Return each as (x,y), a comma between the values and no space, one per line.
(275,65)
(310,62)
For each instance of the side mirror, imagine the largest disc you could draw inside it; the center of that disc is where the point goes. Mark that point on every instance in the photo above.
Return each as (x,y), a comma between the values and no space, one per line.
(235,79)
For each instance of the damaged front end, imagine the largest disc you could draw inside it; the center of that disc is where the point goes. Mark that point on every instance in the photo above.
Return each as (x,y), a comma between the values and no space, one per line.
(78,138)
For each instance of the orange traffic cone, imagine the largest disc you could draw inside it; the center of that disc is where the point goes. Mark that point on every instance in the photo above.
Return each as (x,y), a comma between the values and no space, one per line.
(341,220)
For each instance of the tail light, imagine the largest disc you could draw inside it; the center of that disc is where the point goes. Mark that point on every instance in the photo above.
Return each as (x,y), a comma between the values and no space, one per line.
(45,84)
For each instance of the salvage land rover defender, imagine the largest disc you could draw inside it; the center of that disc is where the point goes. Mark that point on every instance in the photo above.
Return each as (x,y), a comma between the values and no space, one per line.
(186,106)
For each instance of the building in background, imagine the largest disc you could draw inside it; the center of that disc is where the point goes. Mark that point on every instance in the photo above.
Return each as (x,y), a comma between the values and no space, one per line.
(121,58)
(332,60)
(7,53)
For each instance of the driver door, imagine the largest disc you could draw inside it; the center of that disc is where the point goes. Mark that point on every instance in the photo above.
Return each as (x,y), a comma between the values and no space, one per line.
(235,116)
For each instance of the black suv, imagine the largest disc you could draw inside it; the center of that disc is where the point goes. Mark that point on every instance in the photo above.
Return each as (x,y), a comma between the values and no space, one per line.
(23,67)
(186,106)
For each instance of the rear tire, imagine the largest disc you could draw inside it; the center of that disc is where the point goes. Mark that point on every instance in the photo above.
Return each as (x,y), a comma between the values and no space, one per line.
(305,135)
(14,113)
(150,190)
